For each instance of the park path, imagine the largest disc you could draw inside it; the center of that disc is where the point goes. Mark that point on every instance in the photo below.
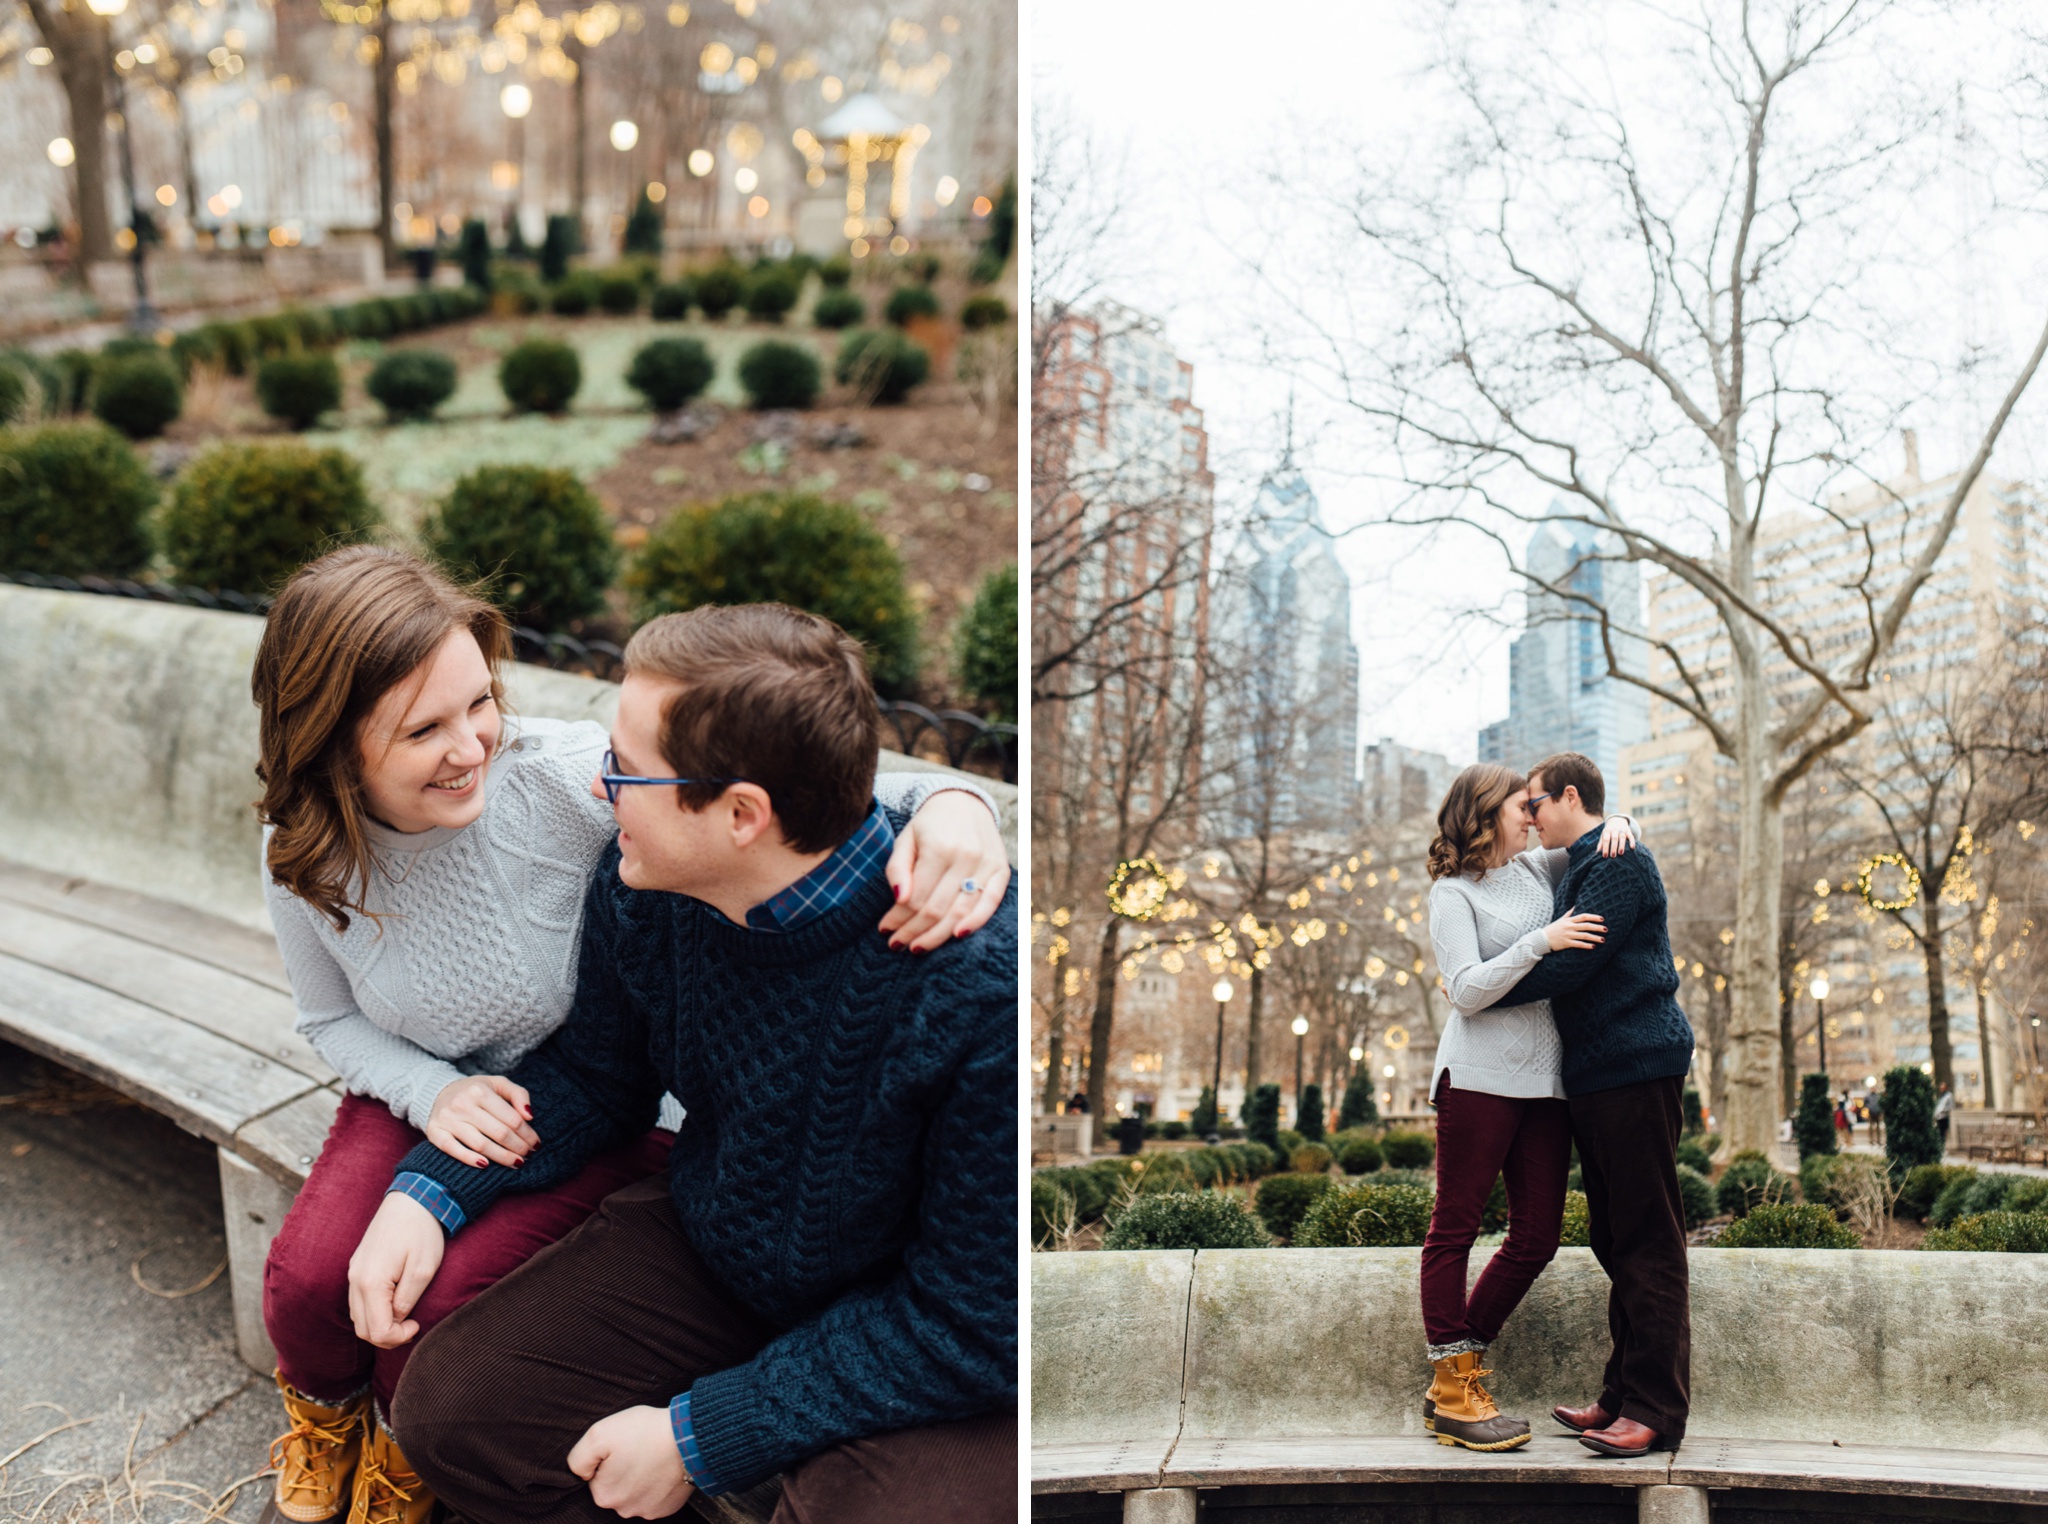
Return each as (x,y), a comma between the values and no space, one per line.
(166,1416)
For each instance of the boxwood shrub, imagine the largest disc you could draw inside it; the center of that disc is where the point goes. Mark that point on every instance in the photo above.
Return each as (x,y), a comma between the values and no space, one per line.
(1910,1137)
(771,294)
(777,374)
(618,292)
(1283,1200)
(839,309)
(540,376)
(1994,1233)
(1692,1156)
(671,301)
(1576,1230)
(574,295)
(1366,1216)
(1408,1150)
(720,289)
(75,501)
(907,302)
(1696,1194)
(984,311)
(794,548)
(836,272)
(1750,1182)
(881,364)
(1792,1225)
(298,388)
(1311,1159)
(246,516)
(1186,1220)
(1359,1156)
(535,536)
(138,394)
(411,383)
(669,372)
(985,645)
(1969,1193)
(1923,1186)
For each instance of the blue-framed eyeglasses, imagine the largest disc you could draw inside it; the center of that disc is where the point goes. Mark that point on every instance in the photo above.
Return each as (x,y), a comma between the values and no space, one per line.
(614,780)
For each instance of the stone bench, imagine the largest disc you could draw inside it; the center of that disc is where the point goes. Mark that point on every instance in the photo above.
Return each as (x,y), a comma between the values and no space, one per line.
(1263,1379)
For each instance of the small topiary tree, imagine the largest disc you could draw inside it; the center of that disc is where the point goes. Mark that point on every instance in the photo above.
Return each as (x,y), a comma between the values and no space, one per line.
(1203,1122)
(1308,1116)
(563,239)
(1813,1126)
(839,309)
(1310,1158)
(1283,1200)
(75,501)
(618,292)
(536,536)
(411,383)
(1696,1194)
(1370,1216)
(670,302)
(644,227)
(985,644)
(769,547)
(1186,1220)
(139,394)
(984,311)
(1359,1156)
(1800,1225)
(1693,1120)
(1909,1133)
(1692,1156)
(1360,1107)
(298,388)
(474,251)
(776,374)
(907,302)
(836,272)
(1750,1182)
(669,372)
(880,364)
(246,516)
(540,376)
(771,294)
(1408,1150)
(1262,1117)
(574,295)
(720,289)
(1994,1233)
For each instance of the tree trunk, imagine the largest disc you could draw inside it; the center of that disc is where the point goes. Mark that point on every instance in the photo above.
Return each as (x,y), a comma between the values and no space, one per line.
(580,180)
(1788,1039)
(1984,1023)
(1105,1020)
(1254,1005)
(1056,1055)
(1754,1011)
(79,42)
(384,80)
(188,168)
(1938,1046)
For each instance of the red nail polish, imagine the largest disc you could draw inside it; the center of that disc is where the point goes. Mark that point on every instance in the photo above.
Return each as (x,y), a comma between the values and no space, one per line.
(899,891)
(478,1164)
(961,932)
(518,1163)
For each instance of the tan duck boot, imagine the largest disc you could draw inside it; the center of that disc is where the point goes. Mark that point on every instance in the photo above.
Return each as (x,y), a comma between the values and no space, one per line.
(1462,1413)
(387,1490)
(316,1456)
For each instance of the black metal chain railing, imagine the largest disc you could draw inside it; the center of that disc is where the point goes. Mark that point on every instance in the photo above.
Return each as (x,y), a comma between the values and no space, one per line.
(953,736)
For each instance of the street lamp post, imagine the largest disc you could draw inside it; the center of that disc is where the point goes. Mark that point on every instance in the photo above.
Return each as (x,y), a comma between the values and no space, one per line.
(1300,1037)
(1222,992)
(143,319)
(1819,989)
(516,100)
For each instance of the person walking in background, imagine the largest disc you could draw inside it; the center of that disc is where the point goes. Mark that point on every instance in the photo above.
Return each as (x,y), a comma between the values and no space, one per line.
(1843,1123)
(1875,1107)
(1497,1087)
(1944,1103)
(1626,1050)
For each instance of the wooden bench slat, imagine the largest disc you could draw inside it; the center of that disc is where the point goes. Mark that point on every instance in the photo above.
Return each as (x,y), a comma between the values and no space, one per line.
(226,1004)
(1222,1461)
(205,1083)
(238,949)
(285,1142)
(1109,1465)
(1809,1466)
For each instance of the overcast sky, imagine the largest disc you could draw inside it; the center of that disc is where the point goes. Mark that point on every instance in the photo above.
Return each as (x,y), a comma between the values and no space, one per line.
(1193,99)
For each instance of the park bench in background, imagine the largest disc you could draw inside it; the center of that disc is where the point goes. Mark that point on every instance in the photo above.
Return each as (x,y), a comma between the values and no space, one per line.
(2009,1137)
(134,945)
(1257,1381)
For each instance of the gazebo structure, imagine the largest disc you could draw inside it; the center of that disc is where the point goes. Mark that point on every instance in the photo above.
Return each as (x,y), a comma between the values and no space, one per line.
(860,136)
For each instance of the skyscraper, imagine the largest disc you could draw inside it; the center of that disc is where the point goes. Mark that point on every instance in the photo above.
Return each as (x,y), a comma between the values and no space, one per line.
(1561,696)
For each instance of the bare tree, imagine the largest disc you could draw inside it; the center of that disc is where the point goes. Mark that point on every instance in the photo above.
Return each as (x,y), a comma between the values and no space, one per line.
(81,45)
(1580,300)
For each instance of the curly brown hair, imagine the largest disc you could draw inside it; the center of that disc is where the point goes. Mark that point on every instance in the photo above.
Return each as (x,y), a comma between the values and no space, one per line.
(345,631)
(1468,821)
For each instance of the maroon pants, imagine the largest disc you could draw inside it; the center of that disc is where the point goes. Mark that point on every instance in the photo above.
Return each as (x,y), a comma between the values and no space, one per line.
(305,1280)
(1527,1143)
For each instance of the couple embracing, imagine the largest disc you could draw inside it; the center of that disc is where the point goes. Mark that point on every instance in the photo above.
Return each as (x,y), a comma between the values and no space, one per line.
(1564,1030)
(678,1149)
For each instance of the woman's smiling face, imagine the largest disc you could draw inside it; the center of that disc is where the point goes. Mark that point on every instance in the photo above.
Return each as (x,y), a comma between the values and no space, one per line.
(1511,827)
(428,744)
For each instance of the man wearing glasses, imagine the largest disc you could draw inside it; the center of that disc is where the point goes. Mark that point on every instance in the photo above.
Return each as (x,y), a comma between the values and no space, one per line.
(825,1285)
(1627,1048)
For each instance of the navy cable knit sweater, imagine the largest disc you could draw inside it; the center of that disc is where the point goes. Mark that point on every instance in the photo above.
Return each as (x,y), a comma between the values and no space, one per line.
(1614,1004)
(847,1166)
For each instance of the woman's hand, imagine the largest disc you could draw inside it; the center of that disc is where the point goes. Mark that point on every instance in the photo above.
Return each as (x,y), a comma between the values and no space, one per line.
(483,1119)
(951,842)
(1575,930)
(1617,836)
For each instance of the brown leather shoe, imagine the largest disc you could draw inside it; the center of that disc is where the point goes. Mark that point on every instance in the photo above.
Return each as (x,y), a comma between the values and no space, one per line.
(1625,1437)
(1580,1420)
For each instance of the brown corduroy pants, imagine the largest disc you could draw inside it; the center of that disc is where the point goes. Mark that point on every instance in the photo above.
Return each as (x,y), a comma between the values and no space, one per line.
(1628,1156)
(623,1313)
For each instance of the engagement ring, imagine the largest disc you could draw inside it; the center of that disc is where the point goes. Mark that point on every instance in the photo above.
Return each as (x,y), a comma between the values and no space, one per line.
(969,886)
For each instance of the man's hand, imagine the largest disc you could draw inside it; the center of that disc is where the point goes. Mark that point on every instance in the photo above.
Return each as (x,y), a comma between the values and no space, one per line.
(632,1464)
(391,1269)
(949,842)
(483,1118)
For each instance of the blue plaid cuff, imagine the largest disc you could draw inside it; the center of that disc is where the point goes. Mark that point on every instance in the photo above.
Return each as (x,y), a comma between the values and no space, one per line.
(686,1442)
(434,1197)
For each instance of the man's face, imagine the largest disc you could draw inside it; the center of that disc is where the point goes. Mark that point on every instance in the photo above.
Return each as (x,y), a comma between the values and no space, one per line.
(1547,815)
(662,845)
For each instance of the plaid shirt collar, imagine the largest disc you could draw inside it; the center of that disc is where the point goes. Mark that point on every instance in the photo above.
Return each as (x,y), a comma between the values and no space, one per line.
(833,882)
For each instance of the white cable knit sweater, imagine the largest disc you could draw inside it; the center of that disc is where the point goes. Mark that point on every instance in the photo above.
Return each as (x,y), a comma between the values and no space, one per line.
(1487,932)
(475,962)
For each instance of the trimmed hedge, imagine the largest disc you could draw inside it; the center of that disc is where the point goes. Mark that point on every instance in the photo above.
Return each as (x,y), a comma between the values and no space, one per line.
(720,289)
(1692,1156)
(298,388)
(985,644)
(669,372)
(1923,1186)
(139,394)
(411,383)
(1801,1225)
(574,295)
(836,272)
(1994,1233)
(1311,1158)
(984,311)
(794,548)
(880,363)
(540,376)
(618,292)
(1696,1193)
(1359,1156)
(1750,1182)
(670,302)
(839,309)
(1910,1137)
(778,375)
(1814,1124)
(771,294)
(907,302)
(1186,1220)
(1408,1150)
(246,516)
(1283,1200)
(75,501)
(537,536)
(1366,1216)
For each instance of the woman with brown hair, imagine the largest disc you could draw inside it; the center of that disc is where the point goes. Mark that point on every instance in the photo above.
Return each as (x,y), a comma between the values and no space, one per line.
(426,857)
(1497,1086)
